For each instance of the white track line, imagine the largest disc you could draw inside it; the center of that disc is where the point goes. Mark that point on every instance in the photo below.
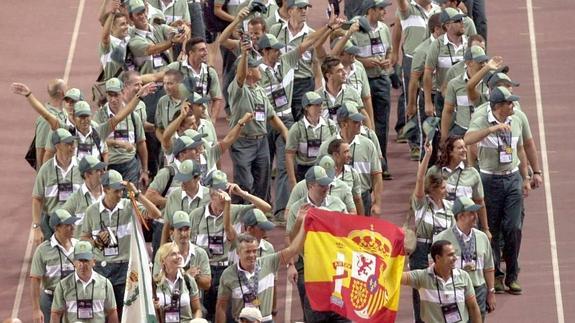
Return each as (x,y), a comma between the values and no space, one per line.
(28,254)
(545,164)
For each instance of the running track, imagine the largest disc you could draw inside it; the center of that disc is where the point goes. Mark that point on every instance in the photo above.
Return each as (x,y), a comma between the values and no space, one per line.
(38,46)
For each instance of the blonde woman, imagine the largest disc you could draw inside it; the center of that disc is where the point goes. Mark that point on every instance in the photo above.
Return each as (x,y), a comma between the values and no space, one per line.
(176,297)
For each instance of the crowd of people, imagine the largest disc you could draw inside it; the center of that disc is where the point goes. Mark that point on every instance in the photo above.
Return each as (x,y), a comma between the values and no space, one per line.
(313,102)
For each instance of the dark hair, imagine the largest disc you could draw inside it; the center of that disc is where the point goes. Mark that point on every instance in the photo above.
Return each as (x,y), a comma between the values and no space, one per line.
(476,37)
(127,75)
(258,21)
(434,22)
(334,146)
(328,63)
(175,73)
(193,42)
(437,248)
(446,149)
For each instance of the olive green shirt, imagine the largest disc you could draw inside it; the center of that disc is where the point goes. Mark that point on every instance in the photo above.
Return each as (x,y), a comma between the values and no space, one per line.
(414,25)
(78,203)
(304,139)
(331,104)
(461,181)
(456,94)
(253,100)
(140,42)
(174,11)
(188,292)
(430,218)
(110,66)
(337,188)
(165,110)
(284,35)
(54,185)
(52,262)
(380,34)
(206,80)
(357,78)
(442,54)
(179,200)
(277,81)
(42,128)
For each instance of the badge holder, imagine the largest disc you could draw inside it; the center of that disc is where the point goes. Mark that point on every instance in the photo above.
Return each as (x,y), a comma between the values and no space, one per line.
(313,147)
(171,315)
(377,47)
(84,308)
(505,154)
(121,134)
(251,299)
(85,148)
(216,245)
(157,61)
(64,191)
(260,112)
(280,97)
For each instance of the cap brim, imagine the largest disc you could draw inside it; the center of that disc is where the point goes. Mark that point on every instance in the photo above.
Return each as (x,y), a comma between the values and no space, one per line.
(457,16)
(71,97)
(201,101)
(180,225)
(116,186)
(68,140)
(266,225)
(357,117)
(84,256)
(512,98)
(315,101)
(472,208)
(115,90)
(184,177)
(481,58)
(353,50)
(302,5)
(324,181)
(83,113)
(221,186)
(137,9)
(70,220)
(254,63)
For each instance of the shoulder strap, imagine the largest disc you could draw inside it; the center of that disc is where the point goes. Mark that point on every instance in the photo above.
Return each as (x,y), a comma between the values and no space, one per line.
(96,139)
(170,180)
(135,132)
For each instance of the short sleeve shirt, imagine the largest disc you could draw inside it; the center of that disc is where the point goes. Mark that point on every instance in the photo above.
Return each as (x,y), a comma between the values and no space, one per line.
(304,139)
(277,81)
(376,43)
(165,111)
(174,11)
(206,80)
(461,181)
(337,188)
(188,292)
(78,203)
(140,42)
(43,128)
(456,94)
(291,41)
(253,100)
(442,54)
(52,262)
(331,104)
(178,200)
(55,185)
(414,25)
(110,65)
(357,78)
(431,219)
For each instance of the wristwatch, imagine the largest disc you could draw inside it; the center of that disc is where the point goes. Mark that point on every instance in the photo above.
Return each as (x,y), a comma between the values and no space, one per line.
(35,225)
(492,290)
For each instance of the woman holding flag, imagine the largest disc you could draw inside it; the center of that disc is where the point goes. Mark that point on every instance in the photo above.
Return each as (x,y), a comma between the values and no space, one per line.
(432,215)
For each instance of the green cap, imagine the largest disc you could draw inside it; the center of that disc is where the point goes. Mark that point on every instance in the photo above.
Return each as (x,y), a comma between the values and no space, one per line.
(254,62)
(270,41)
(450,14)
(196,98)
(74,94)
(253,217)
(197,138)
(217,180)
(326,162)
(311,98)
(136,6)
(114,85)
(61,216)
(181,144)
(494,78)
(317,174)
(350,48)
(298,3)
(113,180)
(464,204)
(501,94)
(83,250)
(368,4)
(349,110)
(181,219)
(475,53)
(187,171)
(62,135)
(89,163)
(82,108)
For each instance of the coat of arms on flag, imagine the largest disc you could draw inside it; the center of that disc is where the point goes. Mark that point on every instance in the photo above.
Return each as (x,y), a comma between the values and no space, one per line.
(353,265)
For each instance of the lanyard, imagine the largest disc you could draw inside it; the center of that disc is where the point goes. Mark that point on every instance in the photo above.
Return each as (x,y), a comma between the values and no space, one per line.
(252,288)
(60,253)
(458,177)
(437,288)
(272,76)
(117,223)
(127,127)
(208,227)
(353,156)
(327,100)
(63,178)
(76,290)
(320,133)
(164,290)
(182,204)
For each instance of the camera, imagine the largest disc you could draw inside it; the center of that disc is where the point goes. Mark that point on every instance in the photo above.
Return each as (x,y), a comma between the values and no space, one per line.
(257,6)
(175,298)
(181,30)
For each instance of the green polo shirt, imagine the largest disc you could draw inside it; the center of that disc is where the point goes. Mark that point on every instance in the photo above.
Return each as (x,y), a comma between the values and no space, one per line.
(110,67)
(302,132)
(178,200)
(71,289)
(418,61)
(357,78)
(456,94)
(482,248)
(488,152)
(230,285)
(469,25)
(337,188)
(278,81)
(77,205)
(482,111)
(372,136)
(233,6)
(364,158)
(249,99)
(464,181)
(50,261)
(284,35)
(414,25)
(332,103)
(118,220)
(206,80)
(207,127)
(165,110)
(350,177)
(86,144)
(43,128)
(130,129)
(176,10)
(139,43)
(431,219)
(270,14)
(442,54)
(162,179)
(454,71)
(141,111)
(363,41)
(188,292)
(435,292)
(206,226)
(331,203)
(50,183)
(196,257)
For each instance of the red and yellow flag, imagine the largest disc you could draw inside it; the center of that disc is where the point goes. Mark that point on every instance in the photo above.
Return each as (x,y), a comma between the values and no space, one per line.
(353,265)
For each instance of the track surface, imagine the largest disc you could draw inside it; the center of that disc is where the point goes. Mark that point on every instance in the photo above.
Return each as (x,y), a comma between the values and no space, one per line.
(36,48)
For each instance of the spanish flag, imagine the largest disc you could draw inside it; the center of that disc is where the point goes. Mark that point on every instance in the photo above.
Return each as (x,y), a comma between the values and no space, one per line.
(353,265)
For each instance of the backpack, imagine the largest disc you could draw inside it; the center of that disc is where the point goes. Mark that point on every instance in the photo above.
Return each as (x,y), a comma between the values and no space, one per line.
(213,23)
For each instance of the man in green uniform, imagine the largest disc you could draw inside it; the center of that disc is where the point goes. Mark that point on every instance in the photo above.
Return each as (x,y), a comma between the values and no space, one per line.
(56,181)
(86,295)
(51,263)
(473,252)
(450,296)
(107,225)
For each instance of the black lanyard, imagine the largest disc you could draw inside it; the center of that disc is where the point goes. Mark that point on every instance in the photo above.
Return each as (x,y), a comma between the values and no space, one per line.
(60,253)
(449,51)
(117,223)
(93,282)
(208,226)
(273,75)
(437,287)
(182,204)
(64,177)
(353,156)
(458,177)
(164,290)
(320,133)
